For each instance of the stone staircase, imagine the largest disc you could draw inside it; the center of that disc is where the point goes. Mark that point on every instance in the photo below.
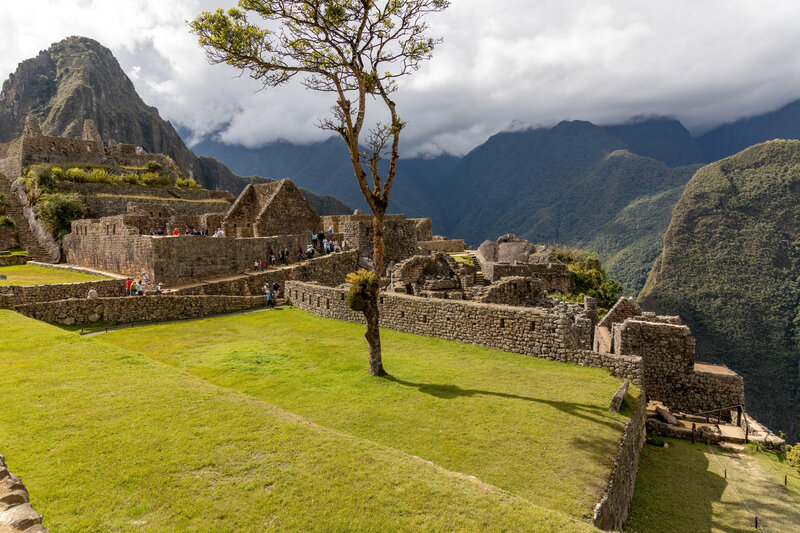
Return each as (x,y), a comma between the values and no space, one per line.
(27,238)
(480,279)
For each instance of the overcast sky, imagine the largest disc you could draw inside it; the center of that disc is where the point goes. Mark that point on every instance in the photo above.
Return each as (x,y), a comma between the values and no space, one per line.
(518,64)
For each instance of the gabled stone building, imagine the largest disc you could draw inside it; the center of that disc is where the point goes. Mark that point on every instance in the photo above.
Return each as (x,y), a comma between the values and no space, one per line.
(268,209)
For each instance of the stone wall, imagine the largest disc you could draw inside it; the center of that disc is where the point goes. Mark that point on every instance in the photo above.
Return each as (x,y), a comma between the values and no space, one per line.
(167,193)
(556,334)
(137,308)
(424,229)
(26,294)
(16,512)
(523,292)
(329,269)
(287,212)
(611,512)
(113,244)
(11,260)
(105,206)
(668,362)
(555,277)
(400,235)
(8,238)
(452,246)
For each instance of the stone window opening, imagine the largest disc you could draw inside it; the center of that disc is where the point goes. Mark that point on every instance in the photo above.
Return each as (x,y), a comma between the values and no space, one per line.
(533,326)
(327,303)
(424,319)
(502,322)
(342,295)
(381,300)
(402,314)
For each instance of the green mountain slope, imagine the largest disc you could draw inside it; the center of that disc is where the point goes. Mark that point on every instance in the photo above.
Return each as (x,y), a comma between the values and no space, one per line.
(731,268)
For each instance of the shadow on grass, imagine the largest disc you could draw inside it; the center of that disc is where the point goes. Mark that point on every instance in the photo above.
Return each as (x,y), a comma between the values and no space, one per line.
(591,413)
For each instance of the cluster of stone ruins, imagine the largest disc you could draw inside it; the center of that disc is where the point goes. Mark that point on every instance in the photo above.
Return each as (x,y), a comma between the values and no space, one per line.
(500,296)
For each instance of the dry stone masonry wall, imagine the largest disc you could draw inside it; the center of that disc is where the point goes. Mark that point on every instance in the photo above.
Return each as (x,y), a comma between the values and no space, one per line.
(16,512)
(136,308)
(557,334)
(611,512)
(26,294)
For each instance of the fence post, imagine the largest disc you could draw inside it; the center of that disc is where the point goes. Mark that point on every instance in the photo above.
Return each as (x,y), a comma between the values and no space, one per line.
(693,428)
(739,416)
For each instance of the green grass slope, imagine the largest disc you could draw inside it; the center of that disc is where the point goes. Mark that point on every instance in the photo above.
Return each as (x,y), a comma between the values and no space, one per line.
(731,268)
(539,429)
(37,275)
(108,440)
(683,488)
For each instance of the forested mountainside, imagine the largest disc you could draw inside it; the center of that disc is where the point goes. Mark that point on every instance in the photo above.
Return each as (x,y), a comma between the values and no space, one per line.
(731,268)
(77,79)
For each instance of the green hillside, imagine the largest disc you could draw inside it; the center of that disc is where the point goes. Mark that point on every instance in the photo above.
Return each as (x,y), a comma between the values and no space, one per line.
(731,267)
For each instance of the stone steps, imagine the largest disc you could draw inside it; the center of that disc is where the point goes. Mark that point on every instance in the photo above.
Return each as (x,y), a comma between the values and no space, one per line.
(15,212)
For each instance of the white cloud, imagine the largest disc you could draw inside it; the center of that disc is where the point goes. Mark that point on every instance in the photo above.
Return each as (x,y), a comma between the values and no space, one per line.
(525,62)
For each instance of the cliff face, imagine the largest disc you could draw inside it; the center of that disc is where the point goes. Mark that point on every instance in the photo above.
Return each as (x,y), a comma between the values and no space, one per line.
(77,79)
(731,268)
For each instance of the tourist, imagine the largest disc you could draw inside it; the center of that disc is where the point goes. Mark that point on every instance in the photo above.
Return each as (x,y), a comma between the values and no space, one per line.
(261,265)
(138,289)
(270,299)
(128,284)
(313,239)
(330,230)
(255,265)
(92,293)
(286,256)
(344,245)
(271,258)
(176,232)
(276,289)
(310,251)
(145,279)
(300,256)
(336,247)
(159,290)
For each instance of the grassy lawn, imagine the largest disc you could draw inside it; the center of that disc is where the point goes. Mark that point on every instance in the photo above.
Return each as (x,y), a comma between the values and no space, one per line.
(107,439)
(538,429)
(683,488)
(37,275)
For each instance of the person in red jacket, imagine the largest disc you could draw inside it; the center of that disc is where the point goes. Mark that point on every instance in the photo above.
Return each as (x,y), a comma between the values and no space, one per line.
(128,284)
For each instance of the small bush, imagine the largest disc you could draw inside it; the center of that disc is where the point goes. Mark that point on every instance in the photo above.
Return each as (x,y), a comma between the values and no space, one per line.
(154,167)
(131,179)
(98,175)
(78,175)
(58,173)
(591,278)
(363,286)
(6,222)
(183,183)
(3,199)
(793,455)
(42,177)
(58,210)
(151,179)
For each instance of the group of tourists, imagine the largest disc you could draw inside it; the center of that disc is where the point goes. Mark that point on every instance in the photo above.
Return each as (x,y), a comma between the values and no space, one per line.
(139,287)
(271,294)
(176,232)
(326,246)
(283,258)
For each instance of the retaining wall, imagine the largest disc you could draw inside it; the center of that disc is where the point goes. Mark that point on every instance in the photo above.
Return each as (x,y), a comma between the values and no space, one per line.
(612,510)
(548,333)
(12,295)
(456,245)
(330,269)
(137,308)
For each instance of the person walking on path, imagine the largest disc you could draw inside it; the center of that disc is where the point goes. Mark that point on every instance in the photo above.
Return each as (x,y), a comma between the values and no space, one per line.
(128,284)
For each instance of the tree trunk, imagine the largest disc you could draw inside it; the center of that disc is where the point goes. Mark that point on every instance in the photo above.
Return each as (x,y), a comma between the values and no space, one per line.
(371,310)
(373,336)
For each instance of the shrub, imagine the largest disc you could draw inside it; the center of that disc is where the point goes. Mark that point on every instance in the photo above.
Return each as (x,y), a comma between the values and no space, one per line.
(98,175)
(183,183)
(153,166)
(58,210)
(3,199)
(591,278)
(58,173)
(363,284)
(151,179)
(6,222)
(78,175)
(793,455)
(131,179)
(42,177)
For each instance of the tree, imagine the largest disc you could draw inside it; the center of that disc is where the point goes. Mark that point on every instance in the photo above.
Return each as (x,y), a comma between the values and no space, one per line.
(355,49)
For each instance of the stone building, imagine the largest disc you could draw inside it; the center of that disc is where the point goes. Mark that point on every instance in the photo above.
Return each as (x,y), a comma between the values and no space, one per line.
(401,234)
(512,256)
(267,209)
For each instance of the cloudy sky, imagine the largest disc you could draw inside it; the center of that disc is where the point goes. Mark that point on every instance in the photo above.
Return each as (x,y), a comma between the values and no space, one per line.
(518,64)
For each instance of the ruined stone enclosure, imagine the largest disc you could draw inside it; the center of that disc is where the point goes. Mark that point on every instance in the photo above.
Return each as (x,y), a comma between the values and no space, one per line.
(267,209)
